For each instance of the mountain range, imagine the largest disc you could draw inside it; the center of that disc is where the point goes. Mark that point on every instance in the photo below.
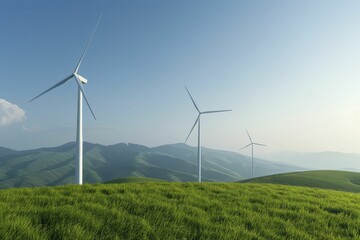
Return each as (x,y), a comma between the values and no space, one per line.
(173,162)
(328,160)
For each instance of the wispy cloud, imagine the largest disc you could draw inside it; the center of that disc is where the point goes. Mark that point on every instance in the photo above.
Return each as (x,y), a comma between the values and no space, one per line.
(10,113)
(34,128)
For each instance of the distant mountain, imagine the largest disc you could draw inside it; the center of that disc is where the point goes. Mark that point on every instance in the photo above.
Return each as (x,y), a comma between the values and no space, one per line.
(319,161)
(175,162)
(6,151)
(336,180)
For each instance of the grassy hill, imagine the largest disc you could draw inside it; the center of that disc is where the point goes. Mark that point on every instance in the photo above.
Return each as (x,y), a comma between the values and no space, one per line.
(176,162)
(178,211)
(336,180)
(135,180)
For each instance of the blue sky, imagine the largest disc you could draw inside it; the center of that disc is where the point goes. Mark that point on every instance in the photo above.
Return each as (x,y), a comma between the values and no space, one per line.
(288,69)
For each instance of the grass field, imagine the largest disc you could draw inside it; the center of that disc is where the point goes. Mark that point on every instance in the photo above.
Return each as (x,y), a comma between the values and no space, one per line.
(178,211)
(135,180)
(336,180)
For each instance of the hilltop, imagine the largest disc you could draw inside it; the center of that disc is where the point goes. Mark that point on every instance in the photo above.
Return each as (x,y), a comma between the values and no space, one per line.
(178,211)
(336,180)
(174,162)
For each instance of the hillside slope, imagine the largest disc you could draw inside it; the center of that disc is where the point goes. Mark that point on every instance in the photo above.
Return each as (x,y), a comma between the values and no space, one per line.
(178,211)
(176,162)
(327,179)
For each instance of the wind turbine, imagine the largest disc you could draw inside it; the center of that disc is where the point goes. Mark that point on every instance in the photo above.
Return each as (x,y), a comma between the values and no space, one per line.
(199,132)
(80,80)
(252,152)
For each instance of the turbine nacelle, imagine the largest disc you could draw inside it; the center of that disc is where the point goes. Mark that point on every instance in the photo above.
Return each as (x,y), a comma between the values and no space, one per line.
(81,78)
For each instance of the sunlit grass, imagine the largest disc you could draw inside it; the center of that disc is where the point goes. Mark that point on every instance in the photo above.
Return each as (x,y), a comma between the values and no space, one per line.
(178,211)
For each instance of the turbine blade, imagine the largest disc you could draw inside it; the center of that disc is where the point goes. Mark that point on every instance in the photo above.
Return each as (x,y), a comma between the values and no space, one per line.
(228,110)
(245,146)
(83,92)
(192,100)
(192,127)
(249,136)
(88,44)
(56,85)
(259,144)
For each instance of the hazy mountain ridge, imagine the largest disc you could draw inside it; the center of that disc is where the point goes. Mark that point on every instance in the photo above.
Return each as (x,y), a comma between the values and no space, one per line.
(328,160)
(174,162)
(6,151)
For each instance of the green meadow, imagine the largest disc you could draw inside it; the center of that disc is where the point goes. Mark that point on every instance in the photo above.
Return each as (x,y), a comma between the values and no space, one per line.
(336,180)
(135,180)
(167,210)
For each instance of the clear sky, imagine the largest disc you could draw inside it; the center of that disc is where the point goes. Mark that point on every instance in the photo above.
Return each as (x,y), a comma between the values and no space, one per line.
(290,70)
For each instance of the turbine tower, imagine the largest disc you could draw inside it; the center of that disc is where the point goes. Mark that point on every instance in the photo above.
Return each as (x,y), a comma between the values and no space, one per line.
(252,152)
(80,80)
(199,130)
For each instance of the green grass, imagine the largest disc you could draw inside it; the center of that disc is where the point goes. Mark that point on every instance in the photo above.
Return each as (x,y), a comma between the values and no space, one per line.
(178,211)
(336,180)
(135,180)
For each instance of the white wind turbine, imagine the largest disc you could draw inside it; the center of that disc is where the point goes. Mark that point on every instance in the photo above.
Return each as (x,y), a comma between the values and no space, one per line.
(199,133)
(81,93)
(252,152)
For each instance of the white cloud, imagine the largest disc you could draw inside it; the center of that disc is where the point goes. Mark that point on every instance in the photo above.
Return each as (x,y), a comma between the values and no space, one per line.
(33,128)
(10,113)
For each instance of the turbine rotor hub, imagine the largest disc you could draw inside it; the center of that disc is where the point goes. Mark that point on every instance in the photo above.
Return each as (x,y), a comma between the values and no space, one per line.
(81,78)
